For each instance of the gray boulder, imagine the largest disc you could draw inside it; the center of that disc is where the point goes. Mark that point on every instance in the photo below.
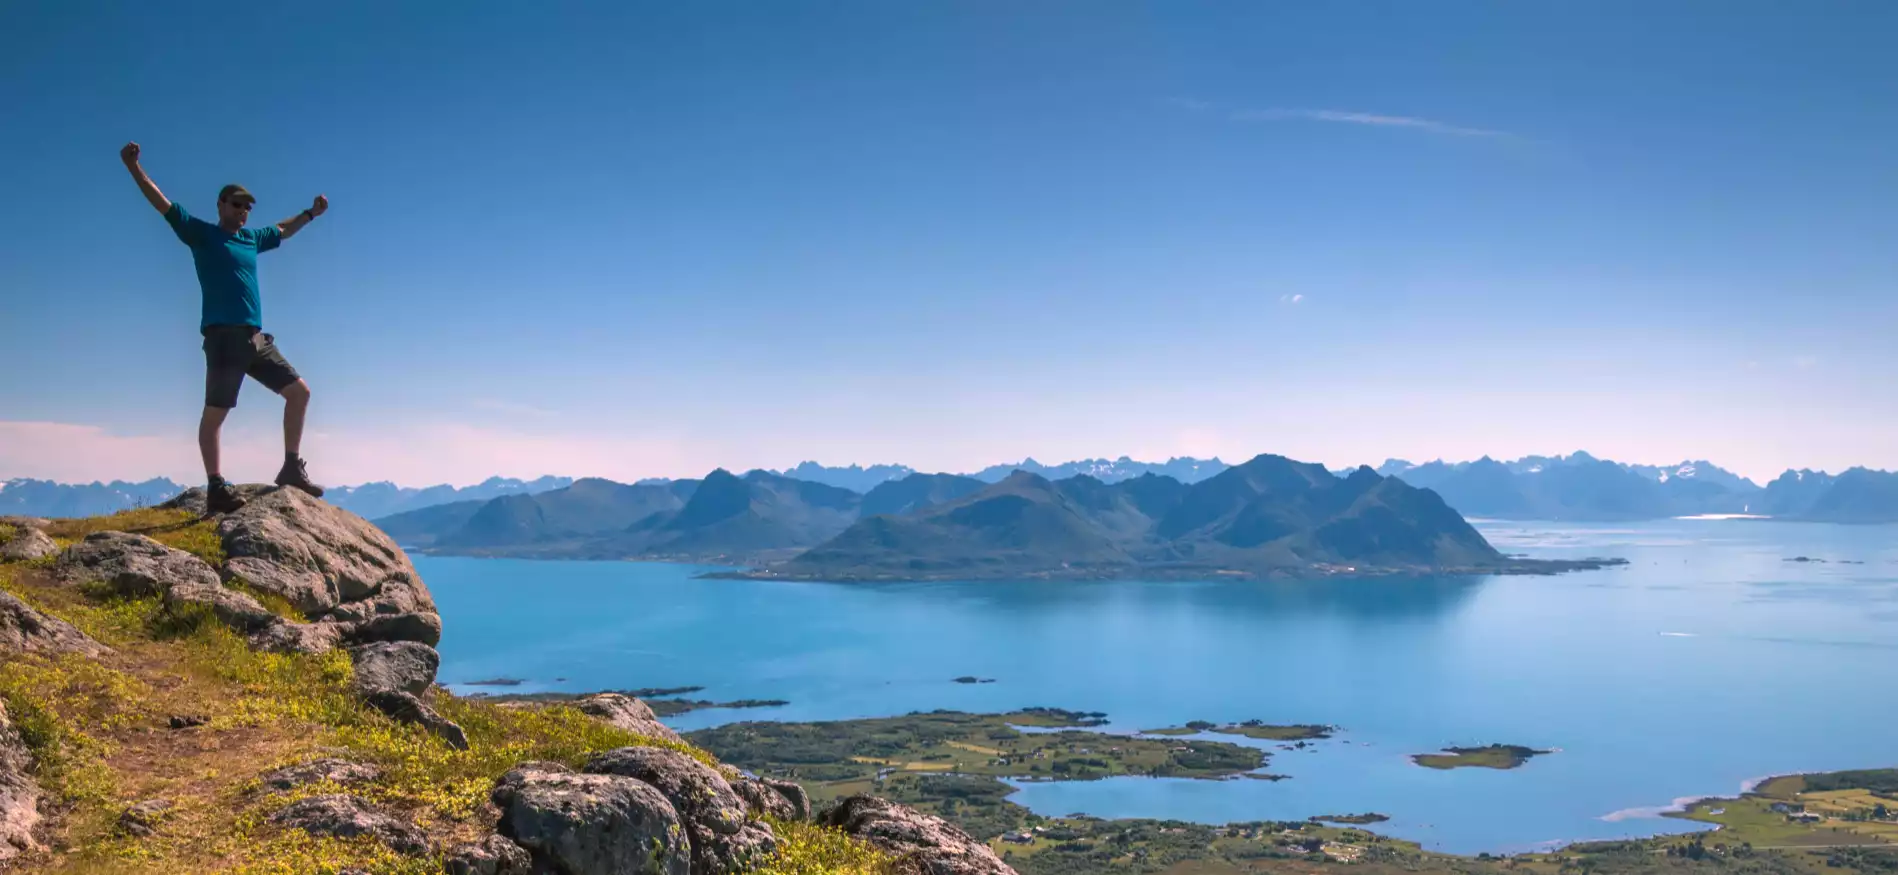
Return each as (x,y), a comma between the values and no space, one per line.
(347,817)
(780,799)
(192,499)
(407,666)
(924,844)
(290,637)
(19,795)
(319,556)
(25,630)
(494,855)
(718,854)
(591,824)
(329,769)
(25,522)
(697,791)
(307,591)
(27,544)
(626,713)
(409,709)
(232,608)
(143,819)
(132,565)
(421,626)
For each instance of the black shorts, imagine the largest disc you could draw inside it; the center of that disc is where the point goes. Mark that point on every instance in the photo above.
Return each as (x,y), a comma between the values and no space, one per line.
(232,351)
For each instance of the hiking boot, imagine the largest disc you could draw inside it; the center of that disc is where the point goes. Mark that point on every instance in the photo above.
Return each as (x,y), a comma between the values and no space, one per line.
(296,474)
(219,497)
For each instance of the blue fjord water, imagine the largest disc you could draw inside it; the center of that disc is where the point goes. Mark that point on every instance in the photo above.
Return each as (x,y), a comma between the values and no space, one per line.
(1708,661)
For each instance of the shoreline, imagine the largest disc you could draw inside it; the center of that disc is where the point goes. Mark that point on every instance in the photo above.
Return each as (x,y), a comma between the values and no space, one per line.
(1197,574)
(758,568)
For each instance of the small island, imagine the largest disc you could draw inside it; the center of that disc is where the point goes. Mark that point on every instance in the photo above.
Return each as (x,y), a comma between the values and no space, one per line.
(1493,756)
(972,679)
(1056,718)
(675,707)
(495,682)
(970,744)
(1250,729)
(1356,819)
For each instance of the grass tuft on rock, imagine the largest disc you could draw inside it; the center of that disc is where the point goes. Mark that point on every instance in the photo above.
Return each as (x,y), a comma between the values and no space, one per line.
(809,849)
(181,529)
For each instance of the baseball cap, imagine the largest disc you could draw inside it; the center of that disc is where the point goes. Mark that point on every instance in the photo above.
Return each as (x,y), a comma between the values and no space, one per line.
(235,192)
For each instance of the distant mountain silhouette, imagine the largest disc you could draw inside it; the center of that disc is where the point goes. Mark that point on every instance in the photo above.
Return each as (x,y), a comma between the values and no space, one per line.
(422,528)
(1859,495)
(1025,523)
(733,518)
(558,518)
(917,491)
(45,498)
(861,479)
(1699,471)
(855,478)
(1580,487)
(1270,515)
(381,499)
(1185,470)
(1793,493)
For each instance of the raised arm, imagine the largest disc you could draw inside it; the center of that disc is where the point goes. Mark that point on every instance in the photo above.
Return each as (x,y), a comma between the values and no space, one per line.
(295,223)
(129,155)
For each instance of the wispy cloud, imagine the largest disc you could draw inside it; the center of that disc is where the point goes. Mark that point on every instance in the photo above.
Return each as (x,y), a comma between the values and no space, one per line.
(1291,299)
(1188,103)
(1364,118)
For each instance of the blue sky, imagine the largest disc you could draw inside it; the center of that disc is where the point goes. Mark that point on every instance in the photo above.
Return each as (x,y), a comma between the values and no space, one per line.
(641,239)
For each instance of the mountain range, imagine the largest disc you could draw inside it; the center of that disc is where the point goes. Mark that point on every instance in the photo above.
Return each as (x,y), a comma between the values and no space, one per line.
(1270,515)
(45,498)
(1581,487)
(1573,487)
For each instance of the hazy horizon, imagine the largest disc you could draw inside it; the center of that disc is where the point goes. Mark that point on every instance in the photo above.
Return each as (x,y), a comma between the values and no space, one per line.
(192,477)
(642,240)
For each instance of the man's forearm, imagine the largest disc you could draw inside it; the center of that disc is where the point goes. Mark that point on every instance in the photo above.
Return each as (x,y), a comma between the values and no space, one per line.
(294,224)
(157,198)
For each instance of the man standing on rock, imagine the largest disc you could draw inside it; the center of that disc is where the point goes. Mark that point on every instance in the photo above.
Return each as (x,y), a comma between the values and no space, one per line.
(234,341)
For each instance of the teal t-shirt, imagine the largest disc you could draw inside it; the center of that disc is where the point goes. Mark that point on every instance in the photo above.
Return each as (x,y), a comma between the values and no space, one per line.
(227,266)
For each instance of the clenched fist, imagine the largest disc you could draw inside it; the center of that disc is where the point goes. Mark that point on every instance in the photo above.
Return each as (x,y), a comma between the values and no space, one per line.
(129,154)
(319,206)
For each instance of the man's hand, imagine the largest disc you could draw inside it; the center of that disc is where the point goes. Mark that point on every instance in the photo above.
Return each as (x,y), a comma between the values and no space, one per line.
(156,198)
(289,227)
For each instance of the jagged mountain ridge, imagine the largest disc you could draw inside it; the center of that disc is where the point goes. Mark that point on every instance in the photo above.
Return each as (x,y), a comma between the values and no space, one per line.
(1578,486)
(46,498)
(1268,515)
(1582,487)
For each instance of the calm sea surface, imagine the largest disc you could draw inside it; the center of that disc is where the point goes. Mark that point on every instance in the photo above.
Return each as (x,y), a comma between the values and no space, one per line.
(1709,661)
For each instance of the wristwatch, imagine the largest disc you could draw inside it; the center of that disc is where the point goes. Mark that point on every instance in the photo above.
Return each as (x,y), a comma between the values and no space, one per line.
(309,215)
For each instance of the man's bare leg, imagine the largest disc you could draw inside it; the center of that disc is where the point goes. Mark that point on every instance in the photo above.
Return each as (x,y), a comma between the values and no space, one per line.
(296,403)
(208,425)
(219,497)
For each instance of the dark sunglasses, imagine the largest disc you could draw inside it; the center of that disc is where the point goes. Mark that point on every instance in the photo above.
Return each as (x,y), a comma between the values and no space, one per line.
(242,205)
